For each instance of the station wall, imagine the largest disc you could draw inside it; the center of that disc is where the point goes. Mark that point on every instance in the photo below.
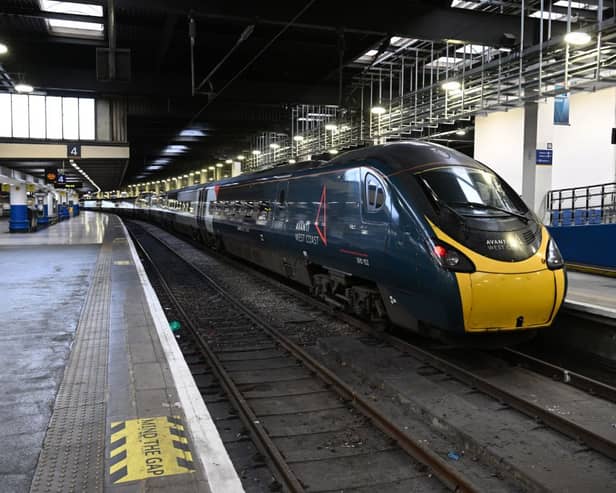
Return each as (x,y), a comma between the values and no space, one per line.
(499,140)
(582,151)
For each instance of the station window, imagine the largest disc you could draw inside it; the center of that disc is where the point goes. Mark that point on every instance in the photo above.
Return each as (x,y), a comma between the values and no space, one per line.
(47,117)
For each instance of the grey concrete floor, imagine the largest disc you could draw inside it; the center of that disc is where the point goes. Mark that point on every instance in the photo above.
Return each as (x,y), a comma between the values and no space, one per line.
(42,291)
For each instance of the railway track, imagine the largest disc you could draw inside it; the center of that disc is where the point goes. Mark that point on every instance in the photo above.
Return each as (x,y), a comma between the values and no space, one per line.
(316,433)
(561,422)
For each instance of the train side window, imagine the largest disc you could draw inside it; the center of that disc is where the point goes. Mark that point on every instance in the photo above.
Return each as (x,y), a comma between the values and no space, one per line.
(281,198)
(375,194)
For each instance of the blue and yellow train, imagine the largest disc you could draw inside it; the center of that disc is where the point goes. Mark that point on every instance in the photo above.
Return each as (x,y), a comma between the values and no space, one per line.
(412,232)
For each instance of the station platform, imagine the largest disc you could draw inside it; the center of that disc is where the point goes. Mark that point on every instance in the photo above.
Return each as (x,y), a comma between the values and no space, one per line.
(592,294)
(97,396)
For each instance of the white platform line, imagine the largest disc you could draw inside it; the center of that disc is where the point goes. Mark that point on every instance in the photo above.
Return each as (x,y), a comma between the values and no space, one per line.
(590,308)
(206,442)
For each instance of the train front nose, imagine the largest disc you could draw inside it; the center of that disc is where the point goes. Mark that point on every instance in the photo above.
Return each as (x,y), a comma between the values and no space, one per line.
(502,301)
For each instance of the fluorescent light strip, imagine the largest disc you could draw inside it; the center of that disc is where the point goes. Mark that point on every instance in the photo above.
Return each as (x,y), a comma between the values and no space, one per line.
(71,8)
(77,25)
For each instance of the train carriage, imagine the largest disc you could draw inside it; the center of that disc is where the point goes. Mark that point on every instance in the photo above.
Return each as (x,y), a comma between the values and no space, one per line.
(413,232)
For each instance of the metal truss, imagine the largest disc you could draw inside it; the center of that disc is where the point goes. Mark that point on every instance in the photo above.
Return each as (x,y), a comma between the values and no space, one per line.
(406,82)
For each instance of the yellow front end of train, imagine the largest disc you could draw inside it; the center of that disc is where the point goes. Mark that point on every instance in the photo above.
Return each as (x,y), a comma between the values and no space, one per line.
(505,296)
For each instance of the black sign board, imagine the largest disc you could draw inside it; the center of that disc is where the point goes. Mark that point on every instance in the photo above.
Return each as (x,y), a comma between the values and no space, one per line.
(73,150)
(73,184)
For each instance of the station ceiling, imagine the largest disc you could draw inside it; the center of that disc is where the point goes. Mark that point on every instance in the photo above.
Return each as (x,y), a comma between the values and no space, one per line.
(289,53)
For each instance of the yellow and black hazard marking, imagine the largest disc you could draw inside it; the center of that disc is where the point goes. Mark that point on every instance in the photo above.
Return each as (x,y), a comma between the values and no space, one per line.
(148,448)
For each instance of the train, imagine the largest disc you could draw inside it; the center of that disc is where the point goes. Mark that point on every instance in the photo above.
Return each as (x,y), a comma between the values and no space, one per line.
(411,233)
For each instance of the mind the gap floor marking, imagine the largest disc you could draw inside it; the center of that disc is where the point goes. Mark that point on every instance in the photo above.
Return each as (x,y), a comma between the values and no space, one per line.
(148,448)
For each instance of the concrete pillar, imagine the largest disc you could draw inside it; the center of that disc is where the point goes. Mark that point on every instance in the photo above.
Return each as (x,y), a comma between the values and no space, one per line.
(218,174)
(18,221)
(75,199)
(236,168)
(157,187)
(529,163)
(43,218)
(203,176)
(51,211)
(191,179)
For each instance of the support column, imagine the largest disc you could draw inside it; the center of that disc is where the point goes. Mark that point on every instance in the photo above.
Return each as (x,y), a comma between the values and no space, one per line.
(51,212)
(43,219)
(191,178)
(62,206)
(18,221)
(75,204)
(203,176)
(236,168)
(529,164)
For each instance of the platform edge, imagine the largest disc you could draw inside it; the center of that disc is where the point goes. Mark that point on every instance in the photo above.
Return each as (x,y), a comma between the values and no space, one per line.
(206,442)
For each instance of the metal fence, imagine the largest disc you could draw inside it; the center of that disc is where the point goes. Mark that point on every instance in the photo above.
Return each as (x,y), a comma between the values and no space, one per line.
(593,204)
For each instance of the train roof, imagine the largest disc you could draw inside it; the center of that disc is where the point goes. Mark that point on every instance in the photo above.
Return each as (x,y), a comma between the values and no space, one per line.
(407,155)
(390,158)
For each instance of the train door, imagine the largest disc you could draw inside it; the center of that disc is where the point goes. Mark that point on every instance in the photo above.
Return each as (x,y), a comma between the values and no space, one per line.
(374,228)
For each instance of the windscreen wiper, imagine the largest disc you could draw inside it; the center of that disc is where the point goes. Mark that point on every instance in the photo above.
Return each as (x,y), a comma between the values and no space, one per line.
(479,205)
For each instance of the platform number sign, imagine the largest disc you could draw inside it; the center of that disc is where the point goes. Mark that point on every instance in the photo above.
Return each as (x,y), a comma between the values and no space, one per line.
(73,150)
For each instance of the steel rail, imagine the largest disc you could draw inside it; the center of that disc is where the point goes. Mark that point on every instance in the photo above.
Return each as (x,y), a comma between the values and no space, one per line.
(448,476)
(555,421)
(261,438)
(577,380)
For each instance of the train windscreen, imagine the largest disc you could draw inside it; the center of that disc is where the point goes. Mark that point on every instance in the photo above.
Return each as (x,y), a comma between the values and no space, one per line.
(474,191)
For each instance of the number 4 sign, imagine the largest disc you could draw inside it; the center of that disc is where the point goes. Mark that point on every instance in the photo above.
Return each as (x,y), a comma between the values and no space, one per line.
(73,150)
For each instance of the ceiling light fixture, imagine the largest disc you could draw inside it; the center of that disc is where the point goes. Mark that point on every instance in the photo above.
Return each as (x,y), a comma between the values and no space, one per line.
(333,151)
(274,146)
(256,152)
(211,168)
(298,138)
(460,131)
(577,38)
(378,110)
(292,161)
(228,161)
(24,88)
(240,157)
(219,165)
(4,49)
(331,127)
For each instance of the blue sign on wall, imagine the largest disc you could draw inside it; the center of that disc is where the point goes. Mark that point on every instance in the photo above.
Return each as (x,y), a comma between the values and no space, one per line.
(561,108)
(544,156)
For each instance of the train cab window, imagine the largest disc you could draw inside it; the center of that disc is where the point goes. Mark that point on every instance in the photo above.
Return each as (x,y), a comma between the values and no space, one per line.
(375,194)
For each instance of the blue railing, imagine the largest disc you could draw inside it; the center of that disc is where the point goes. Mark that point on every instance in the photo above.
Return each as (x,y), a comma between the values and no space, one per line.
(581,206)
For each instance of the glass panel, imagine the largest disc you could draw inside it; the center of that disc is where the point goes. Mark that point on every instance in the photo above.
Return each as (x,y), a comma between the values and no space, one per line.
(5,115)
(37,117)
(86,119)
(70,118)
(471,188)
(54,117)
(20,115)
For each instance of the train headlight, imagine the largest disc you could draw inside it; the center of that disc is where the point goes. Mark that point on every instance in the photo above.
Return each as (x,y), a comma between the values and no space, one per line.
(554,258)
(452,259)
